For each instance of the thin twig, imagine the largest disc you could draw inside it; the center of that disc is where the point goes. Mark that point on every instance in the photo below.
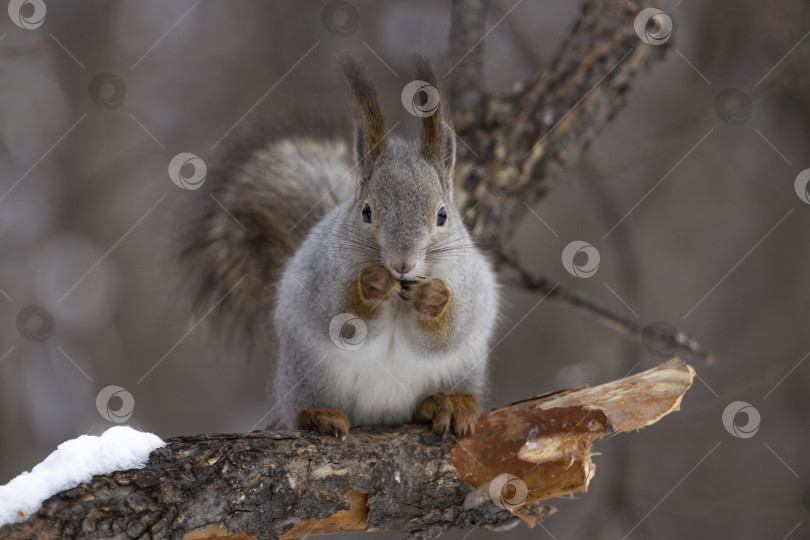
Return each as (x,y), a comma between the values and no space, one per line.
(676,340)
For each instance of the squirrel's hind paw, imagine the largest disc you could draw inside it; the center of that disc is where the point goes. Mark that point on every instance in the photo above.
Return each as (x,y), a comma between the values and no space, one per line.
(325,421)
(449,411)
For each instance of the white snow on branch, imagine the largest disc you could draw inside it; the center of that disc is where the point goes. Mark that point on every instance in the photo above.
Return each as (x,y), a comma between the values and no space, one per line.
(72,463)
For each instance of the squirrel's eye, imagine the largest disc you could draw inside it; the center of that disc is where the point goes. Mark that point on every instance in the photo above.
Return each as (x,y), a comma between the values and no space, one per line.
(366,213)
(442,217)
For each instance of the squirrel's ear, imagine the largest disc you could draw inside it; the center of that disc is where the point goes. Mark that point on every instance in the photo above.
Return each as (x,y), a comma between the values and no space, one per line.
(437,138)
(369,123)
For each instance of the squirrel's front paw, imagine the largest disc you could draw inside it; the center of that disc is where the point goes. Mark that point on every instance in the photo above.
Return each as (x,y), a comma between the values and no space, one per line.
(324,421)
(429,296)
(376,282)
(449,410)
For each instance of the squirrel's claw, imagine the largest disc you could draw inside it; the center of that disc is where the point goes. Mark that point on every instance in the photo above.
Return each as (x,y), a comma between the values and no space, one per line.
(324,421)
(450,412)
(405,288)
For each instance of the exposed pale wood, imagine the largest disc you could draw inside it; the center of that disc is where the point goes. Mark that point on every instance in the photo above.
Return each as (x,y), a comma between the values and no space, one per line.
(633,402)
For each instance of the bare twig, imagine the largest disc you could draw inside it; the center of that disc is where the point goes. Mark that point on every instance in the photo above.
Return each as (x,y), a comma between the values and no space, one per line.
(674,339)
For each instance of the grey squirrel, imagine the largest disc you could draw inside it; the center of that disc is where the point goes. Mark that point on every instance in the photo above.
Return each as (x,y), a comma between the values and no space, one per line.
(360,268)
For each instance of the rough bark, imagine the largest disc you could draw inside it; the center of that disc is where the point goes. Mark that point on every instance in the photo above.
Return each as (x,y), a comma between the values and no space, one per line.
(291,484)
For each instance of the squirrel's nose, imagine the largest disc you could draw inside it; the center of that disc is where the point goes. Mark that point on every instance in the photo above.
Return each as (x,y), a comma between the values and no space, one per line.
(403,267)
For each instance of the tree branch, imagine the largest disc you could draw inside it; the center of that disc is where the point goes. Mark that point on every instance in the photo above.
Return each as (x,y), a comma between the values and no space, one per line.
(516,147)
(466,54)
(293,484)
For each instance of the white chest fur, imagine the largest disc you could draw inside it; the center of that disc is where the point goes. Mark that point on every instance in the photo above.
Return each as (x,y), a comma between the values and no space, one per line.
(381,382)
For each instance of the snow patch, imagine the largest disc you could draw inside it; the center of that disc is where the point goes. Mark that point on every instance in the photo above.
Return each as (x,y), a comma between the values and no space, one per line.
(72,463)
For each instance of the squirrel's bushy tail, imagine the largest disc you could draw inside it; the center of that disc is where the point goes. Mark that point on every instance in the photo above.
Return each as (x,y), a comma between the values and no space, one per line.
(250,216)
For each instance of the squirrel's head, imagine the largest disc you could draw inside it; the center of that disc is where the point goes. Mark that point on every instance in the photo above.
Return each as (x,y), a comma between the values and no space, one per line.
(404,203)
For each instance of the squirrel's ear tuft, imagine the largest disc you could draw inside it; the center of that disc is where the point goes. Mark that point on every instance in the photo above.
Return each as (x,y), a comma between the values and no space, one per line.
(437,138)
(369,123)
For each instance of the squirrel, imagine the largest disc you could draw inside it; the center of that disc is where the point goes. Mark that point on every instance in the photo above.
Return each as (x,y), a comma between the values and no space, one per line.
(359,267)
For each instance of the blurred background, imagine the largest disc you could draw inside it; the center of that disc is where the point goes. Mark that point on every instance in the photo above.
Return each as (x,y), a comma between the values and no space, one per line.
(712,234)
